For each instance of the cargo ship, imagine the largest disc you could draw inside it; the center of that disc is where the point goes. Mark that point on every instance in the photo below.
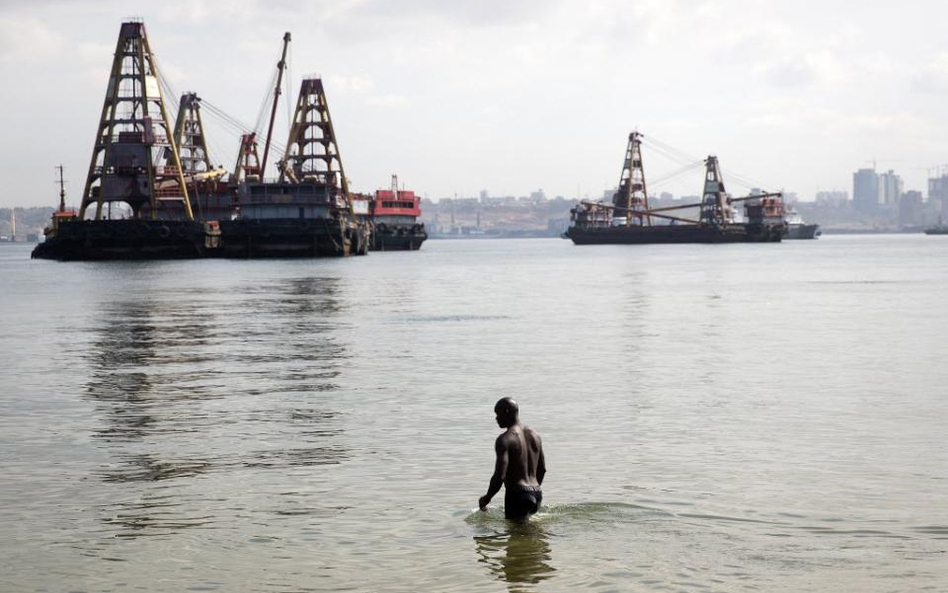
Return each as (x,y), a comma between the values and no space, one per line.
(151,192)
(393,218)
(630,220)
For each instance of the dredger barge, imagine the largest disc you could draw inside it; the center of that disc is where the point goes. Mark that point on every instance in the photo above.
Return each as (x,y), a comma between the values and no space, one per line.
(630,220)
(151,191)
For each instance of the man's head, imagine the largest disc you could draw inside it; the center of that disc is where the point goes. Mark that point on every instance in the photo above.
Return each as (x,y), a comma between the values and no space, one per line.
(507,412)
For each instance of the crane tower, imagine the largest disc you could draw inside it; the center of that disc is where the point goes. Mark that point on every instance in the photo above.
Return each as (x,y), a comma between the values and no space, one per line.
(312,153)
(189,136)
(631,200)
(135,159)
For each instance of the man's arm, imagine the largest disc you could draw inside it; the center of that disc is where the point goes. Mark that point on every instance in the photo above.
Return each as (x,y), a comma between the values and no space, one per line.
(500,471)
(541,464)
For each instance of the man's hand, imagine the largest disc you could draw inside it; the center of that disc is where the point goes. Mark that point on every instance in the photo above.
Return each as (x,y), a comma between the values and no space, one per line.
(482,502)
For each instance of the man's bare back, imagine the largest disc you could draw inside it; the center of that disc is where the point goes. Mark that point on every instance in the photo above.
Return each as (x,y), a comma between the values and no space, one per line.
(520,465)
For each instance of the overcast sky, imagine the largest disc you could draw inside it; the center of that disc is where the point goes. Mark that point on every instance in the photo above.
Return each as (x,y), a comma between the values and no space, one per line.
(506,95)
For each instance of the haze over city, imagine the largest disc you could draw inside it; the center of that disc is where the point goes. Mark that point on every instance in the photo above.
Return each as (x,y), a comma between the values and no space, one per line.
(509,96)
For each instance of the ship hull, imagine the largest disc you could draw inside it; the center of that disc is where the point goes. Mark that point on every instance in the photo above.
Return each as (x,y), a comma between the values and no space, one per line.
(89,240)
(247,238)
(802,231)
(156,239)
(408,237)
(640,235)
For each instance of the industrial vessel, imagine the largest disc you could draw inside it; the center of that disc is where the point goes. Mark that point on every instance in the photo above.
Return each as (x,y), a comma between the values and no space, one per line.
(393,215)
(630,220)
(152,193)
(938,229)
(797,229)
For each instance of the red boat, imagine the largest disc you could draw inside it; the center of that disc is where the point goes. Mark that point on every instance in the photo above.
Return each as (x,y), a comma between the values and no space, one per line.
(393,214)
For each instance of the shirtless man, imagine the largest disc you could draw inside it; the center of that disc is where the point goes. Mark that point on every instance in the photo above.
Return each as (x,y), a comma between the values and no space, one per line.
(520,466)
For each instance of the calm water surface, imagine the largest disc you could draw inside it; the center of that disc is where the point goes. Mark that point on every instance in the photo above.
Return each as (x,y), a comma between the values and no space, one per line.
(716,418)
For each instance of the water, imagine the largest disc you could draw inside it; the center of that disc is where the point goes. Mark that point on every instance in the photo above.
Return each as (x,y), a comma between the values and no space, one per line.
(715,418)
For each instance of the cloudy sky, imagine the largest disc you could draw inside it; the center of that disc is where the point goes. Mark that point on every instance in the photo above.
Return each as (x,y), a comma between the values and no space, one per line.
(507,95)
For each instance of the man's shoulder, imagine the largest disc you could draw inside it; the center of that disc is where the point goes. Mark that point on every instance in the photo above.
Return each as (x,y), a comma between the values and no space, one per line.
(530,433)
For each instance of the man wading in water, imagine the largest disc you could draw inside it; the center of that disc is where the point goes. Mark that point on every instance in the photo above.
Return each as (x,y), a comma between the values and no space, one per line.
(520,465)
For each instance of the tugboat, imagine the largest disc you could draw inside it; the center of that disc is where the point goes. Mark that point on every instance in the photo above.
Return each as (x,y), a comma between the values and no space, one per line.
(797,229)
(394,214)
(629,220)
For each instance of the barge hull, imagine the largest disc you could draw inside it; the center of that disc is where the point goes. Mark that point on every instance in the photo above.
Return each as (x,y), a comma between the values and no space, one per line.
(642,235)
(245,238)
(405,238)
(90,240)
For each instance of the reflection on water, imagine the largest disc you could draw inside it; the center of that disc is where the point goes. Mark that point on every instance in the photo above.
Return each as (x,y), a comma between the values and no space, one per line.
(189,384)
(519,556)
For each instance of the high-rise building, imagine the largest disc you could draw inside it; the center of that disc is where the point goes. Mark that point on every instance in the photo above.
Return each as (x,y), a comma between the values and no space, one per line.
(938,190)
(910,208)
(890,188)
(866,190)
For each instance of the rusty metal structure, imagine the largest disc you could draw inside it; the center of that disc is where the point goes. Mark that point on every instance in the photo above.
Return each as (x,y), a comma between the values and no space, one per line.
(277,91)
(631,199)
(248,160)
(189,136)
(180,205)
(629,220)
(312,153)
(135,159)
(715,208)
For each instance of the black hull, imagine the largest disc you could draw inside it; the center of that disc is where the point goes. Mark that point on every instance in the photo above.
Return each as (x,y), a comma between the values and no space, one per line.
(246,238)
(642,235)
(153,240)
(936,231)
(398,237)
(124,240)
(802,231)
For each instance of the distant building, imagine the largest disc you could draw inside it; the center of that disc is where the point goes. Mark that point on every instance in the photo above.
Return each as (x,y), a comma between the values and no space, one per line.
(866,191)
(938,191)
(836,197)
(911,208)
(890,188)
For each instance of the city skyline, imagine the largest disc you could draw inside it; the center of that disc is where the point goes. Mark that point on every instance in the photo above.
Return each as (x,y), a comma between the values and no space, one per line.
(510,96)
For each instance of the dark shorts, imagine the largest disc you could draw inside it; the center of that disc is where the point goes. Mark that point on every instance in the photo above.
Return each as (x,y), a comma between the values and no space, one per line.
(522,501)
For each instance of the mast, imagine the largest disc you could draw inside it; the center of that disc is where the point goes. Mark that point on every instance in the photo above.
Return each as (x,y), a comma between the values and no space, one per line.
(281,65)
(62,190)
(631,199)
